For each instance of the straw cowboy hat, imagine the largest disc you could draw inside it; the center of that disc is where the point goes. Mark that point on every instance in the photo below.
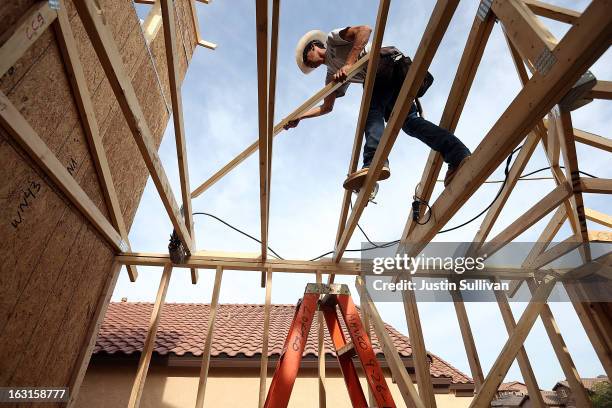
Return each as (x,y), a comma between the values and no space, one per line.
(299,49)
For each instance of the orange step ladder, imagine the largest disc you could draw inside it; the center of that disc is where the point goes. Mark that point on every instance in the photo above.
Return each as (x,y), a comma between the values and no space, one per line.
(359,345)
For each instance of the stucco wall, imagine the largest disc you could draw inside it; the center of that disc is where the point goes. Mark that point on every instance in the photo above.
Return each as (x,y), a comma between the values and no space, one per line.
(109,385)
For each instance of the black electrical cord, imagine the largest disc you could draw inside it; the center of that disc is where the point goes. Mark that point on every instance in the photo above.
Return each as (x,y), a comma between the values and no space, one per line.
(420,201)
(237,230)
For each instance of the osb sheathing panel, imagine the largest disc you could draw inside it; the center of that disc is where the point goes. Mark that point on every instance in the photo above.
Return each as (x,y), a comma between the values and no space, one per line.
(54,263)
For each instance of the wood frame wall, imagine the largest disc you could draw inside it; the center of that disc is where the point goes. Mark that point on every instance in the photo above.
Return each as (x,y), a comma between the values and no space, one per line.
(554,64)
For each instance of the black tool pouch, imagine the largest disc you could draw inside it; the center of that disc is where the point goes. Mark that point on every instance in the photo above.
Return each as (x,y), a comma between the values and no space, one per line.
(393,64)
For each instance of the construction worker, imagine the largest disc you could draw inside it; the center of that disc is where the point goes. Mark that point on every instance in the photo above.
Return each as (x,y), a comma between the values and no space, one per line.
(339,50)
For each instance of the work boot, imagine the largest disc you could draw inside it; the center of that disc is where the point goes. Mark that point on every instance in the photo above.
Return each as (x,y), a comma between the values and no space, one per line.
(452,171)
(354,181)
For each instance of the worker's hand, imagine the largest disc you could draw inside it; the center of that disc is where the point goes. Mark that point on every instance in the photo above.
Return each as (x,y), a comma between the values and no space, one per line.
(341,74)
(291,124)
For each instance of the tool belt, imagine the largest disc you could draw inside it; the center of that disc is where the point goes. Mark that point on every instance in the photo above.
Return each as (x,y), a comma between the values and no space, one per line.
(393,67)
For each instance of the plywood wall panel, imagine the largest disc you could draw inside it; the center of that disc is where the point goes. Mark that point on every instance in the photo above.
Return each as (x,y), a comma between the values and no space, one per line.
(55,265)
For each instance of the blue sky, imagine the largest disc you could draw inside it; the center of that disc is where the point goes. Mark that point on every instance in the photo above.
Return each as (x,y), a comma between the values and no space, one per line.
(310,163)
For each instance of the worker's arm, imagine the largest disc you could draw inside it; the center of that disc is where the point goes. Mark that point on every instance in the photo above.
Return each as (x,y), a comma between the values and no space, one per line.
(326,107)
(359,36)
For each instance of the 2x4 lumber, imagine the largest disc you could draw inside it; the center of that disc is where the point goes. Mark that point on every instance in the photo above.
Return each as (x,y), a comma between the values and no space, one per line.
(512,346)
(366,99)
(436,27)
(548,203)
(16,41)
(556,252)
(468,340)
(546,236)
(562,352)
(593,140)
(553,12)
(321,350)
(110,59)
(595,185)
(398,370)
(73,65)
(152,22)
(580,47)
(86,349)
(521,357)
(263,368)
(419,352)
(570,160)
(598,217)
(214,303)
(513,175)
(601,90)
(466,71)
(252,148)
(261,16)
(599,236)
(531,38)
(149,344)
(207,44)
(19,128)
(169,23)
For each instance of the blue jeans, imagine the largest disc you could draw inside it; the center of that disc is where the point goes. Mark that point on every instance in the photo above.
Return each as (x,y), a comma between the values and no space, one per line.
(437,138)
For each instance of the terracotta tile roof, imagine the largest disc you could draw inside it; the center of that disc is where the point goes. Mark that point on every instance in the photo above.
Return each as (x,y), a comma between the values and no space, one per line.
(512,386)
(551,398)
(587,382)
(238,333)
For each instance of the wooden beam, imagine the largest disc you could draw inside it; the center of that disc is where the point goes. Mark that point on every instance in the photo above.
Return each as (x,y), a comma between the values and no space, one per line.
(556,252)
(530,217)
(110,59)
(261,15)
(21,35)
(398,370)
(570,160)
(527,33)
(593,140)
(466,71)
(263,368)
(436,27)
(511,179)
(74,68)
(468,340)
(561,351)
(535,396)
(172,59)
(600,236)
(152,22)
(253,147)
(601,90)
(553,12)
(511,348)
(595,185)
(149,344)
(598,217)
(580,47)
(366,99)
(207,44)
(19,128)
(214,303)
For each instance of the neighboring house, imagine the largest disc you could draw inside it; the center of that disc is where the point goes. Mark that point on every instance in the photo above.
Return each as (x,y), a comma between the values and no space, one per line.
(233,380)
(514,394)
(511,388)
(565,393)
(550,398)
